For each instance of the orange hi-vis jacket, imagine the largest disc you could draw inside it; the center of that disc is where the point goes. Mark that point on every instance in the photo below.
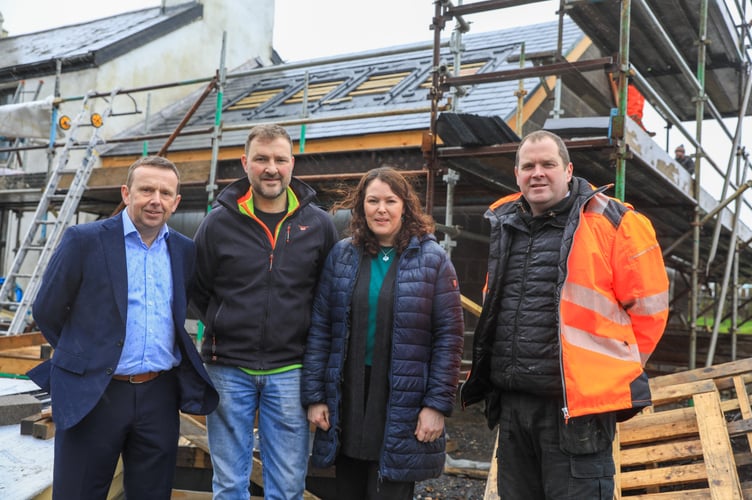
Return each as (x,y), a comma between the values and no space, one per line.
(613,306)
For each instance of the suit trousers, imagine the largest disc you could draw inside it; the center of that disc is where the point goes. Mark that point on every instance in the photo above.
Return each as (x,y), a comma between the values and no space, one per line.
(139,421)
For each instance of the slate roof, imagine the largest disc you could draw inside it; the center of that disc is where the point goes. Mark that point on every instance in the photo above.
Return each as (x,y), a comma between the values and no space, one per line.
(372,82)
(89,44)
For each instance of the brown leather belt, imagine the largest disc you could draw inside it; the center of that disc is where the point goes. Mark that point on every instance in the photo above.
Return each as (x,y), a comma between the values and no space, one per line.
(137,379)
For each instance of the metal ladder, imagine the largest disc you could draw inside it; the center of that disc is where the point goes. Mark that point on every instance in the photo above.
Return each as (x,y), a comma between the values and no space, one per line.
(52,229)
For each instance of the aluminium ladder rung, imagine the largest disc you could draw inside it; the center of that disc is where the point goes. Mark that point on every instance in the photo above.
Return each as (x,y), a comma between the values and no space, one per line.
(69,200)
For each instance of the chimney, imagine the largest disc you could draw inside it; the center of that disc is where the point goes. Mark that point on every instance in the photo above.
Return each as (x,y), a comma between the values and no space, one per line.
(3,32)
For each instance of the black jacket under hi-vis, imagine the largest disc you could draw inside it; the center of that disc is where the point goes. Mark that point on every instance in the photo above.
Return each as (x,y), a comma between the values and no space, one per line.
(254,292)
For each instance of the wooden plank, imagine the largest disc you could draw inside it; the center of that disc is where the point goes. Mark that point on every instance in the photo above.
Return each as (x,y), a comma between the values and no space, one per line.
(662,425)
(724,383)
(27,424)
(466,471)
(680,392)
(193,457)
(618,461)
(712,372)
(492,488)
(21,340)
(43,429)
(470,306)
(663,476)
(661,453)
(17,366)
(190,495)
(744,407)
(739,427)
(24,352)
(19,360)
(193,431)
(700,494)
(716,446)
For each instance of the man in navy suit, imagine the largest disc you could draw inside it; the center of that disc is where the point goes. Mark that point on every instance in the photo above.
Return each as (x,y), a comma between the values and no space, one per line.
(113,306)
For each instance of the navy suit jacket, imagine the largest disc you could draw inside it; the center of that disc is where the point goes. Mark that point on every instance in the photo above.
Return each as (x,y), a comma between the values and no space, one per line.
(81,310)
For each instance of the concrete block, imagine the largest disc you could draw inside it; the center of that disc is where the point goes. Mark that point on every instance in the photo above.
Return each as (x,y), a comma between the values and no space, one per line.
(15,407)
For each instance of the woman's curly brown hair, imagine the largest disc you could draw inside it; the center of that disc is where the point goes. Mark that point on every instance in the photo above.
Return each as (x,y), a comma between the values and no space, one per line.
(414,221)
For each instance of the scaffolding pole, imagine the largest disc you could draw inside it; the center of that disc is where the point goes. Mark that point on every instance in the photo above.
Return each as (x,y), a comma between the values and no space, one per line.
(699,114)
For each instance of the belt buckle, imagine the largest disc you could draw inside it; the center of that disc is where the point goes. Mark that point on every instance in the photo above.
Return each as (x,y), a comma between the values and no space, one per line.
(132,380)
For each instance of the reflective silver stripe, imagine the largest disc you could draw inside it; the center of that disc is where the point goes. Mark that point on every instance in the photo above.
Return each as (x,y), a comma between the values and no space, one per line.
(644,358)
(601,345)
(590,299)
(598,203)
(652,304)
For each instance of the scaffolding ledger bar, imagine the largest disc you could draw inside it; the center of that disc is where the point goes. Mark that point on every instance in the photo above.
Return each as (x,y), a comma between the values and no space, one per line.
(605,64)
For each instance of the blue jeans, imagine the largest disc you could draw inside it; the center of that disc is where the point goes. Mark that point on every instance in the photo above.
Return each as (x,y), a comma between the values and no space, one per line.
(283,433)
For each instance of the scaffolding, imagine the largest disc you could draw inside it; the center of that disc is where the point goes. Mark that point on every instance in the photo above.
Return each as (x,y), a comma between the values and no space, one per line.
(653,51)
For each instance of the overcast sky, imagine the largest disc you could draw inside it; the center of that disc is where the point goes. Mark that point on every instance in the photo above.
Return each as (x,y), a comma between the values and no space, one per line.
(304,29)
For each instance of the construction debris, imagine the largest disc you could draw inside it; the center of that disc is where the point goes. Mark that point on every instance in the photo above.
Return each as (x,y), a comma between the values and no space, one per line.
(15,407)
(27,424)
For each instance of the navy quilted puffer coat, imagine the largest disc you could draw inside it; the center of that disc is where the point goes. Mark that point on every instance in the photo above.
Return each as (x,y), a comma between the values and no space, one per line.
(425,359)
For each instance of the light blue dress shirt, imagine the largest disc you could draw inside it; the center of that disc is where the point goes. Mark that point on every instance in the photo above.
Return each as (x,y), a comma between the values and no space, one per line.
(149,331)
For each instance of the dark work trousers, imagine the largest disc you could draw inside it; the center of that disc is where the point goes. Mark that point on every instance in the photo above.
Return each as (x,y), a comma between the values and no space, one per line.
(359,479)
(542,458)
(139,420)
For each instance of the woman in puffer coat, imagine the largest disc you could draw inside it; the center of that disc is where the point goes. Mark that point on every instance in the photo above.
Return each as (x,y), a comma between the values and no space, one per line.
(383,354)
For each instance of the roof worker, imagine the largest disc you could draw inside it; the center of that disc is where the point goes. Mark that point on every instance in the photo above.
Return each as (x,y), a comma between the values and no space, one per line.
(576,300)
(635,102)
(682,159)
(636,106)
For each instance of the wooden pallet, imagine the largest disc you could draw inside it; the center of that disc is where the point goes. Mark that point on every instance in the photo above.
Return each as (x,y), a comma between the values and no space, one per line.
(681,449)
(695,439)
(691,444)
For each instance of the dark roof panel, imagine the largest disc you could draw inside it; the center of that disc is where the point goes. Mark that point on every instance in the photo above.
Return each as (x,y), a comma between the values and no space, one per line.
(403,87)
(89,44)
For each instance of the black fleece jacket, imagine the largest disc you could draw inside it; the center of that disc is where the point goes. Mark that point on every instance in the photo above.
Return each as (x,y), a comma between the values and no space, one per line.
(254,294)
